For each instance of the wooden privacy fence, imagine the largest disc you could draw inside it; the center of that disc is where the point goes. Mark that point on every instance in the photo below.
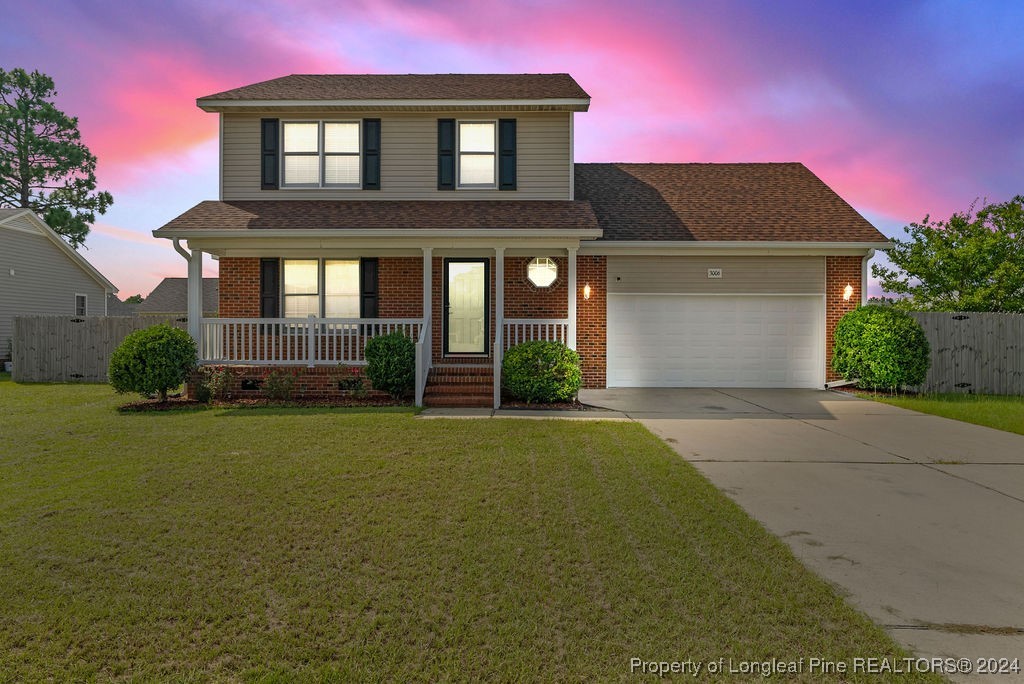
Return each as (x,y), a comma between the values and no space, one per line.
(976,353)
(71,348)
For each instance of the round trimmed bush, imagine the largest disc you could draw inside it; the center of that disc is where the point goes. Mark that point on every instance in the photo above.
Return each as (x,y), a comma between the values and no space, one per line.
(881,348)
(152,361)
(391,364)
(542,372)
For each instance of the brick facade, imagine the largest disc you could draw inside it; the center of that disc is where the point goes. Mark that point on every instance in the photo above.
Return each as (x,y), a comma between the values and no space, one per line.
(592,319)
(321,382)
(523,299)
(400,280)
(839,271)
(240,287)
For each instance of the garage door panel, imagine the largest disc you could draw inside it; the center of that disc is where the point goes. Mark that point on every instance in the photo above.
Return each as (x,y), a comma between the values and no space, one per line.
(715,341)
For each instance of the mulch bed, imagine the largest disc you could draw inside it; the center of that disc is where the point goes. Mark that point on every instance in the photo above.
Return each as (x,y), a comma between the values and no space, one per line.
(556,406)
(181,403)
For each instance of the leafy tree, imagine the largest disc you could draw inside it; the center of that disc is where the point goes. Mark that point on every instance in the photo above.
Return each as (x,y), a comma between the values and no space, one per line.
(972,262)
(43,164)
(135,299)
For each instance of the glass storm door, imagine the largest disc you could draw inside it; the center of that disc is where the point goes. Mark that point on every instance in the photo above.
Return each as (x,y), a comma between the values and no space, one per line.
(465,298)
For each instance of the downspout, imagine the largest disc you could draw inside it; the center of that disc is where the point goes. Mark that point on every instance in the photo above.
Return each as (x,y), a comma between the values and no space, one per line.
(181,250)
(864,277)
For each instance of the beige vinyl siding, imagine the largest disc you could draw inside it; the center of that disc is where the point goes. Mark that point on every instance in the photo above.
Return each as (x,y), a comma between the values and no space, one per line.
(409,157)
(45,280)
(740,275)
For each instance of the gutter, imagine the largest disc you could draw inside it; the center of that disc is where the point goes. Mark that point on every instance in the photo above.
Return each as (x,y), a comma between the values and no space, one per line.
(489,233)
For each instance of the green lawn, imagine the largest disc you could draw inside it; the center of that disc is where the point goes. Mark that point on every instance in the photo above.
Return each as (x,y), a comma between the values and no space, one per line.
(340,545)
(1002,413)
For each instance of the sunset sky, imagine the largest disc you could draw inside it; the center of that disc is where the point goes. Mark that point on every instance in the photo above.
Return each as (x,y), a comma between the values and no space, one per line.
(905,109)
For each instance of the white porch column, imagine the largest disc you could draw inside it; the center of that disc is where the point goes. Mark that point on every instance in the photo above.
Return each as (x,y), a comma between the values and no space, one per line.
(570,340)
(195,298)
(428,279)
(499,320)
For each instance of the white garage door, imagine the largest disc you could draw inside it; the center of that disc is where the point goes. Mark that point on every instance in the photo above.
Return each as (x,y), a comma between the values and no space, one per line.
(715,341)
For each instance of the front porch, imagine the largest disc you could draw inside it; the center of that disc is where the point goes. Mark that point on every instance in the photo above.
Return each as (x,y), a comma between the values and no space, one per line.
(461,335)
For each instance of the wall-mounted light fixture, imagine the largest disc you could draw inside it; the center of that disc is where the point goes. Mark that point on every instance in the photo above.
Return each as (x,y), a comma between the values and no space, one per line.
(847,292)
(586,291)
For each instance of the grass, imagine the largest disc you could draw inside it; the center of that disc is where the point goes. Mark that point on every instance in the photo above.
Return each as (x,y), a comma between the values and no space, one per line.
(341,545)
(999,412)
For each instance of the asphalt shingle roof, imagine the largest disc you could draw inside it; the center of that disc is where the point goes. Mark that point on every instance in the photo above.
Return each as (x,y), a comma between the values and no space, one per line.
(369,215)
(408,87)
(718,202)
(171,296)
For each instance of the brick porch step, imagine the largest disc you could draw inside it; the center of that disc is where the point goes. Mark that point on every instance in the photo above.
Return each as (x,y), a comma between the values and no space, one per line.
(460,386)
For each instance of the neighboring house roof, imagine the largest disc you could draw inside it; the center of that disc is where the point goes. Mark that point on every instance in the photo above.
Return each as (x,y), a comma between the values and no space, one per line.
(718,202)
(383,215)
(26,219)
(408,87)
(171,296)
(115,307)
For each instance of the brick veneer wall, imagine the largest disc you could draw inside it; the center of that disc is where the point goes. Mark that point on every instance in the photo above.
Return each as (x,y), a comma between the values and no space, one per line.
(592,319)
(523,299)
(401,287)
(401,296)
(320,382)
(239,287)
(839,271)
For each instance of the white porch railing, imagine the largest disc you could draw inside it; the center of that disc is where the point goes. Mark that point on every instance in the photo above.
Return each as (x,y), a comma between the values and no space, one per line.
(296,341)
(528,329)
(424,356)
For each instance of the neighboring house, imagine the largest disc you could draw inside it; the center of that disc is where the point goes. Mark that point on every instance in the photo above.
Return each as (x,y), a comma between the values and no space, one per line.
(450,207)
(42,274)
(115,307)
(169,299)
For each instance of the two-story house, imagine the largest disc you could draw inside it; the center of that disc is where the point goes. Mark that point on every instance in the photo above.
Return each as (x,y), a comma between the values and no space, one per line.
(450,207)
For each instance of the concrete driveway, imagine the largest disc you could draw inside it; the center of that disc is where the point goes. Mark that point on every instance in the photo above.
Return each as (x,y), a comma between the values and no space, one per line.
(919,519)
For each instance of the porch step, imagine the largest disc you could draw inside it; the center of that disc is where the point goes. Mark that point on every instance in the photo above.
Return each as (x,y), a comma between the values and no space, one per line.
(458,401)
(456,385)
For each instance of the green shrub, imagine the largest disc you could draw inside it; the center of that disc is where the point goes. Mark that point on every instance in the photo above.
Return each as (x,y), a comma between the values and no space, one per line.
(541,371)
(391,364)
(202,392)
(152,361)
(880,347)
(279,384)
(351,381)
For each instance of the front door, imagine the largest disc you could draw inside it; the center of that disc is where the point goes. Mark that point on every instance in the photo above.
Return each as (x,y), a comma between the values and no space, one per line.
(466,306)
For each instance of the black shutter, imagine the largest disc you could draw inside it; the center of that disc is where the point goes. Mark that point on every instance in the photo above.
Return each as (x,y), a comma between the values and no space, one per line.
(368,288)
(371,154)
(270,288)
(269,151)
(506,154)
(446,154)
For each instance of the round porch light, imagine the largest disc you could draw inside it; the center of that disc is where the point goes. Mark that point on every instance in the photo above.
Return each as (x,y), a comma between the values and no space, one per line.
(542,271)
(847,292)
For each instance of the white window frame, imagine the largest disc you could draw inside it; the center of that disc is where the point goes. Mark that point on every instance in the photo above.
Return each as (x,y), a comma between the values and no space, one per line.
(85,304)
(554,266)
(321,284)
(458,155)
(321,154)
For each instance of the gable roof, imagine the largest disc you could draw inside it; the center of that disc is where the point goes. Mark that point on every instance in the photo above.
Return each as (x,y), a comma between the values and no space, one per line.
(27,220)
(374,215)
(115,307)
(171,296)
(393,89)
(719,202)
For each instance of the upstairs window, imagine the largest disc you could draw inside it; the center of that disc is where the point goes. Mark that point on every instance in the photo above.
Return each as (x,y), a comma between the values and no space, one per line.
(320,154)
(477,142)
